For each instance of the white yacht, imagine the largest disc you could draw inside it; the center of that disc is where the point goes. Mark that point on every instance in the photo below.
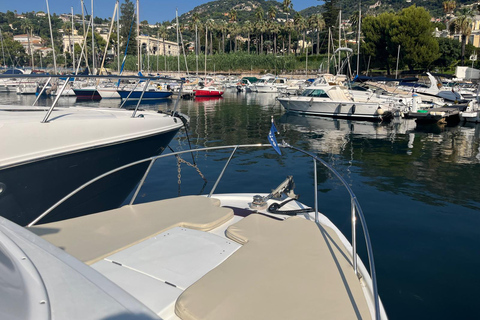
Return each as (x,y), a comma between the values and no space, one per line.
(218,256)
(271,85)
(335,101)
(27,87)
(41,160)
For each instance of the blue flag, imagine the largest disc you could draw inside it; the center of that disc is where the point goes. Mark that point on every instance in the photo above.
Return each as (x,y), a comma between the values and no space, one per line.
(272,139)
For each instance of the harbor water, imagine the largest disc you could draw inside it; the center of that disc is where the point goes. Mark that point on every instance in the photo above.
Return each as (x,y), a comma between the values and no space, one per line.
(419,188)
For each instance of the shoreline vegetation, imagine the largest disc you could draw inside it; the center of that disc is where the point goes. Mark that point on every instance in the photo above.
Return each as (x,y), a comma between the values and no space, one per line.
(271,41)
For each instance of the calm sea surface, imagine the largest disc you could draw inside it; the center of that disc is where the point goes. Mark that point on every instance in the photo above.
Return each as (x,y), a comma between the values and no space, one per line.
(419,188)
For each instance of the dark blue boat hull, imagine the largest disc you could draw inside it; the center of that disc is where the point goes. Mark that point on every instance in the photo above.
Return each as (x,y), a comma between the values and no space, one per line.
(148,95)
(30,189)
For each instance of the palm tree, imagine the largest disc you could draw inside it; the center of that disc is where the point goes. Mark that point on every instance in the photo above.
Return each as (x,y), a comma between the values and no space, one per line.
(272,13)
(274,29)
(260,25)
(247,27)
(289,27)
(233,28)
(287,6)
(223,28)
(209,24)
(194,25)
(163,34)
(462,24)
(449,6)
(301,24)
(317,23)
(27,27)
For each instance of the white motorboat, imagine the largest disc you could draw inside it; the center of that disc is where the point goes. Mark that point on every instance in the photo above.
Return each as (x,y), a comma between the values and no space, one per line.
(27,87)
(335,101)
(10,84)
(294,87)
(471,113)
(48,151)
(219,256)
(271,85)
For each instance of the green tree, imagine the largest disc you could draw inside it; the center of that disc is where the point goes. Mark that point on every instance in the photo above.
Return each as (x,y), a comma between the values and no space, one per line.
(450,52)
(413,31)
(462,24)
(260,26)
(316,23)
(287,7)
(330,13)
(14,52)
(248,28)
(127,22)
(378,43)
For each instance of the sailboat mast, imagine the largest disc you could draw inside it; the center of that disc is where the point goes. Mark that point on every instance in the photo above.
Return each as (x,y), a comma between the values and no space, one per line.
(3,50)
(51,37)
(118,36)
(85,35)
(178,41)
(196,47)
(328,50)
(139,46)
(339,38)
(359,32)
(73,49)
(93,43)
(206,50)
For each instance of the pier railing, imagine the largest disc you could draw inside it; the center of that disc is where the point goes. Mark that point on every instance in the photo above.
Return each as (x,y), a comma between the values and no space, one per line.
(356,210)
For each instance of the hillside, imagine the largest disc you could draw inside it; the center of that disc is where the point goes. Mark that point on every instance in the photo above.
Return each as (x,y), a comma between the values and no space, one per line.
(220,9)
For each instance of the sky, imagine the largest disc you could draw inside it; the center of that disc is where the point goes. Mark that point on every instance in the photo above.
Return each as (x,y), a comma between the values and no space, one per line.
(151,10)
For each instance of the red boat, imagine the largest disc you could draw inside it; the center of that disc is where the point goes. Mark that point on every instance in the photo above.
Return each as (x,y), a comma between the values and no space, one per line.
(208,92)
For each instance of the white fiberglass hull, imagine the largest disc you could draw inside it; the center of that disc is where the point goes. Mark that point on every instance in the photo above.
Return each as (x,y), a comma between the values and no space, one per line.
(328,108)
(108,93)
(470,116)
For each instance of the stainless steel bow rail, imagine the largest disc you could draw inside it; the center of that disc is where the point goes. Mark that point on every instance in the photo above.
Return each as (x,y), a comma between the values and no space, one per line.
(71,76)
(356,209)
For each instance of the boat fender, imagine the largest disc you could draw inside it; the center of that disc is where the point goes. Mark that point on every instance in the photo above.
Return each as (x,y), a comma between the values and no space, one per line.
(380,111)
(353,109)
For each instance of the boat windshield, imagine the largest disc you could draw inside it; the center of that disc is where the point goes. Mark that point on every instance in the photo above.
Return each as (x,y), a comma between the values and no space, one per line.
(314,93)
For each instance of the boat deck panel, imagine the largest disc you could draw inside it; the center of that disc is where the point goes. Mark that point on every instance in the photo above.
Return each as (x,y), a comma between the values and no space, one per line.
(153,293)
(93,237)
(318,281)
(179,256)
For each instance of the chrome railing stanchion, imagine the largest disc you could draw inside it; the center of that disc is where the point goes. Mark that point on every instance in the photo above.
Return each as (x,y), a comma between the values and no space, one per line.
(316,188)
(54,103)
(223,171)
(141,97)
(354,237)
(178,98)
(41,91)
(129,94)
(140,184)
